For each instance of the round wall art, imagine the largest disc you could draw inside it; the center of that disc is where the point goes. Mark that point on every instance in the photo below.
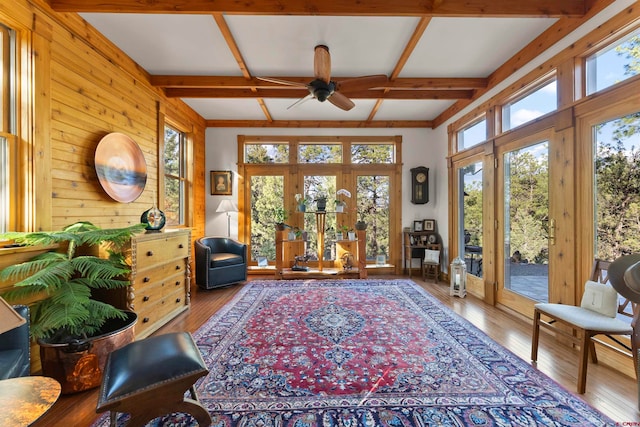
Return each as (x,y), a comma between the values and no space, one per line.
(121,168)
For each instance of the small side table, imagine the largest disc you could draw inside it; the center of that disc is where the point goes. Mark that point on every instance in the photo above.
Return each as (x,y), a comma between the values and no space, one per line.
(25,399)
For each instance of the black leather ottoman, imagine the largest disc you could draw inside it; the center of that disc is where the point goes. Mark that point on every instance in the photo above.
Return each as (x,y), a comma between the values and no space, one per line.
(149,378)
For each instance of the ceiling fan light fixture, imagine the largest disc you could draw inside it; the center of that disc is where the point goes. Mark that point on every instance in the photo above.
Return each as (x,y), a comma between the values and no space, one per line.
(322,94)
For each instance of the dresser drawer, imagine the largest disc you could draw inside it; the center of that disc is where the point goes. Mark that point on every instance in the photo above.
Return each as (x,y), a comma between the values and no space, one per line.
(150,314)
(154,252)
(145,278)
(154,291)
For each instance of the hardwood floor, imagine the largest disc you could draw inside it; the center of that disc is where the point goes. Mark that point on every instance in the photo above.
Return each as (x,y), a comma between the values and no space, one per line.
(611,392)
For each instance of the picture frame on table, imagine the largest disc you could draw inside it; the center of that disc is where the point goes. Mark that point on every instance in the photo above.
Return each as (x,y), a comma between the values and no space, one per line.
(417,225)
(221,183)
(262,261)
(429,225)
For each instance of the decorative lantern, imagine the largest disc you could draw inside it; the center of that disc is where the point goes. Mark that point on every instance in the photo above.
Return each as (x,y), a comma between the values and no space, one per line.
(458,278)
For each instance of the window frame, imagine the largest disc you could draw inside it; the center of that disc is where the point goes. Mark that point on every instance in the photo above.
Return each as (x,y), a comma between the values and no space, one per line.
(186,175)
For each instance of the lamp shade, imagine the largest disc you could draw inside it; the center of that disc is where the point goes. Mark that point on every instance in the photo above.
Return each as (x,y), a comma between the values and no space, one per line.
(227,206)
(617,276)
(9,318)
(632,278)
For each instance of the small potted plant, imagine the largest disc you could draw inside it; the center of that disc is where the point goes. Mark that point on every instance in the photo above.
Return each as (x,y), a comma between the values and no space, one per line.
(342,232)
(301,202)
(280,216)
(71,325)
(321,202)
(341,204)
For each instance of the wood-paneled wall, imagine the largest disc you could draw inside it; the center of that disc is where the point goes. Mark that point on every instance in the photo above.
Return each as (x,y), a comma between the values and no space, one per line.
(76,88)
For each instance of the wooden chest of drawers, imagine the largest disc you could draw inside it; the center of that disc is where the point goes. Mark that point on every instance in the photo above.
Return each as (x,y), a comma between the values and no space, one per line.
(160,279)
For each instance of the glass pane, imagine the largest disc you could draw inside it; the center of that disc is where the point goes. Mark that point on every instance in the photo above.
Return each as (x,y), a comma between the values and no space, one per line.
(171,209)
(471,221)
(535,104)
(617,180)
(267,208)
(472,135)
(171,151)
(372,153)
(314,186)
(526,207)
(373,206)
(4,184)
(319,153)
(613,64)
(266,153)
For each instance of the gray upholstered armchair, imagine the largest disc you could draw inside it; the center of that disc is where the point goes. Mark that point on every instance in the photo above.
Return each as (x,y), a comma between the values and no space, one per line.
(220,261)
(15,348)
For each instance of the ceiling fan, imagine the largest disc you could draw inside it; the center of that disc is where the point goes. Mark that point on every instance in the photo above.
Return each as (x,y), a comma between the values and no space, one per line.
(323,88)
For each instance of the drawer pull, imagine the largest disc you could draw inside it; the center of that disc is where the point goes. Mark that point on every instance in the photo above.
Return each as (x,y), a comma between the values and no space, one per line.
(145,298)
(177,267)
(178,299)
(146,280)
(150,253)
(178,283)
(145,320)
(180,246)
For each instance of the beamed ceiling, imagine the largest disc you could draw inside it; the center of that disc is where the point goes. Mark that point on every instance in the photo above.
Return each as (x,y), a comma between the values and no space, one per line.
(438,55)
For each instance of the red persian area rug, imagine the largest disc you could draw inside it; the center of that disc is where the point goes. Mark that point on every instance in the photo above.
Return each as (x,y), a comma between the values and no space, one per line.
(364,353)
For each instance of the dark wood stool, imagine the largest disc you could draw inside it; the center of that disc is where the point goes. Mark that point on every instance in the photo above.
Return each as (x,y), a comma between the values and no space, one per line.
(149,378)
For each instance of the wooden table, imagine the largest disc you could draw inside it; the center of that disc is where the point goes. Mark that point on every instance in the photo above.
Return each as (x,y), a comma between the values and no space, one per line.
(25,399)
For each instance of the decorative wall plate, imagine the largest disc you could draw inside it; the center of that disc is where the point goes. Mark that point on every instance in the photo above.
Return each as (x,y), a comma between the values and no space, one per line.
(121,168)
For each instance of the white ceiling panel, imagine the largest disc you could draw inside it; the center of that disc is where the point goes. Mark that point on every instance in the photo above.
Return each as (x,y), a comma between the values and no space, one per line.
(468,47)
(395,109)
(284,45)
(168,44)
(226,109)
(316,110)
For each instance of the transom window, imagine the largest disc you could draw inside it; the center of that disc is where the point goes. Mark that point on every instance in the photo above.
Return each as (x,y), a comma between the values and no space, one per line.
(613,64)
(537,102)
(472,135)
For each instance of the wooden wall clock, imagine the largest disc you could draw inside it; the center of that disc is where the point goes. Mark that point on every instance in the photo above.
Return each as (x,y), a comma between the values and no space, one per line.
(419,185)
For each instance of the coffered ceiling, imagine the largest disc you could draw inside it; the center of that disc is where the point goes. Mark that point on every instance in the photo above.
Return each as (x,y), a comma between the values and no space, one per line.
(438,55)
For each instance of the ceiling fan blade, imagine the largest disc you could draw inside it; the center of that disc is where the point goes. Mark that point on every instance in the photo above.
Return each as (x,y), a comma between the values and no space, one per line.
(341,101)
(322,63)
(364,82)
(282,82)
(300,101)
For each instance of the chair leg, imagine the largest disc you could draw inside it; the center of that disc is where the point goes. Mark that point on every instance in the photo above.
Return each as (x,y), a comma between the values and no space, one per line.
(535,337)
(584,360)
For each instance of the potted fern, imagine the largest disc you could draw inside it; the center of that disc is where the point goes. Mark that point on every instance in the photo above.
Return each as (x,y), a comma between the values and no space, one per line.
(67,320)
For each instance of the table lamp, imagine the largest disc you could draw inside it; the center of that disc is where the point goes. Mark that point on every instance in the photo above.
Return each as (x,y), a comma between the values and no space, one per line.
(9,318)
(227,206)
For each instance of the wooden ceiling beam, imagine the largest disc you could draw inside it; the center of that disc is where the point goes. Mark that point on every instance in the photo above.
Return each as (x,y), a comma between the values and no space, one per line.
(464,8)
(234,82)
(300,93)
(319,124)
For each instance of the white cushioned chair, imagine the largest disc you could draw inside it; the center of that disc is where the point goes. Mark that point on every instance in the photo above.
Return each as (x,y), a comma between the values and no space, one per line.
(596,315)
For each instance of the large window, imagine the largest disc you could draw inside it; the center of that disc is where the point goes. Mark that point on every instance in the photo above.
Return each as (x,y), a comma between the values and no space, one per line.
(617,186)
(7,126)
(472,135)
(275,170)
(175,175)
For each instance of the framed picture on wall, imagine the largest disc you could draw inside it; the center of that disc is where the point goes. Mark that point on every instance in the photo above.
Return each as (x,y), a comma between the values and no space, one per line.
(417,225)
(221,183)
(429,225)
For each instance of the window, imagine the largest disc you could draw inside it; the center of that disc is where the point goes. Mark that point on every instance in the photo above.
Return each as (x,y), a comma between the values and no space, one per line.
(617,186)
(266,153)
(472,135)
(613,64)
(535,103)
(175,176)
(275,172)
(470,179)
(7,124)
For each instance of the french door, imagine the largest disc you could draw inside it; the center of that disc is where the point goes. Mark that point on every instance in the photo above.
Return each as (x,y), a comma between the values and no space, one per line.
(534,188)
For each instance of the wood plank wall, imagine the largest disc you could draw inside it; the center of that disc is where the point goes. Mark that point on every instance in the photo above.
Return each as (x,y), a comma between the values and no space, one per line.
(81,87)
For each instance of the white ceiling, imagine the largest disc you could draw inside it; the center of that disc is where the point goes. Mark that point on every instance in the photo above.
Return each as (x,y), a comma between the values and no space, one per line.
(279,46)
